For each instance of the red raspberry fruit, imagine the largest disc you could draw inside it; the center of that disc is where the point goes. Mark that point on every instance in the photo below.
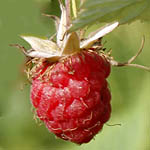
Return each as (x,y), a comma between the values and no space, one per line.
(72,97)
(69,88)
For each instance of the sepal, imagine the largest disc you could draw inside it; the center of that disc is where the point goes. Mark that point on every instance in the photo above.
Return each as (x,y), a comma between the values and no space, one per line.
(41,48)
(71,44)
(98,34)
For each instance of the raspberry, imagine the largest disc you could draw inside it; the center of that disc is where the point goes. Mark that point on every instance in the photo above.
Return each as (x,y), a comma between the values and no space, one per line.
(68,75)
(69,89)
(71,96)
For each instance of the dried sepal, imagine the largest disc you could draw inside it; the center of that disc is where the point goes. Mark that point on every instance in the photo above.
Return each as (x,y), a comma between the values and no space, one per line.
(71,44)
(36,54)
(98,34)
(66,43)
(41,48)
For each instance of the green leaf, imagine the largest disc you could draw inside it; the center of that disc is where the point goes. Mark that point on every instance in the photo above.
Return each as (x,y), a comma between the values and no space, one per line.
(124,11)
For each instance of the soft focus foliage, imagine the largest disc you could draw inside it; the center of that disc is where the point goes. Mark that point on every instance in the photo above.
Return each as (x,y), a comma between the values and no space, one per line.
(129,86)
(124,11)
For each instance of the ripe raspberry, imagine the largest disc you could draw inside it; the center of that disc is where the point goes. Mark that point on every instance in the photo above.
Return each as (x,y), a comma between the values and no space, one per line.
(72,97)
(68,75)
(69,89)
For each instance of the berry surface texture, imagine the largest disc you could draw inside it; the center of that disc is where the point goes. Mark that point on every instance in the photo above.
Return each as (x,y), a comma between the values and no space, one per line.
(68,73)
(72,97)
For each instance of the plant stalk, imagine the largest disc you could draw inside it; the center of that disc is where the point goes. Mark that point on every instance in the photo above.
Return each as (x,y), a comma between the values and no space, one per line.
(74,8)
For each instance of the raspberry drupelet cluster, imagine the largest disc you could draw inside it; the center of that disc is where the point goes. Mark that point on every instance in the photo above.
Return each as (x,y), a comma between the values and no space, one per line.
(69,90)
(73,99)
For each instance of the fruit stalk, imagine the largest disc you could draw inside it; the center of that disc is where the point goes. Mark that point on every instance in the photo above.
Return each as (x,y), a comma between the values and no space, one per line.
(74,8)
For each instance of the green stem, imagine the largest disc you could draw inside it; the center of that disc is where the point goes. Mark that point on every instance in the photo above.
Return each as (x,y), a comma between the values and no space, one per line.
(74,8)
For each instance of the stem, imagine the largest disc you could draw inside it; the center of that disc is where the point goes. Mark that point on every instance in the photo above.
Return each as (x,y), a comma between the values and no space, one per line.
(74,8)
(117,124)
(129,62)
(139,51)
(118,64)
(81,2)
(21,48)
(138,66)
(67,3)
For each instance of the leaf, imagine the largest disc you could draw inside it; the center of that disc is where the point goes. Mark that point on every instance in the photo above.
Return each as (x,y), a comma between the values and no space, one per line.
(123,11)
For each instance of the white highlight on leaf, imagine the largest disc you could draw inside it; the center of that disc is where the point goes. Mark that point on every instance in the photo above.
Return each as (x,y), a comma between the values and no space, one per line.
(90,41)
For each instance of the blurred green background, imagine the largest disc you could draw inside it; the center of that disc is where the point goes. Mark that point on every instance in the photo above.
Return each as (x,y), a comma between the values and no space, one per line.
(130,87)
